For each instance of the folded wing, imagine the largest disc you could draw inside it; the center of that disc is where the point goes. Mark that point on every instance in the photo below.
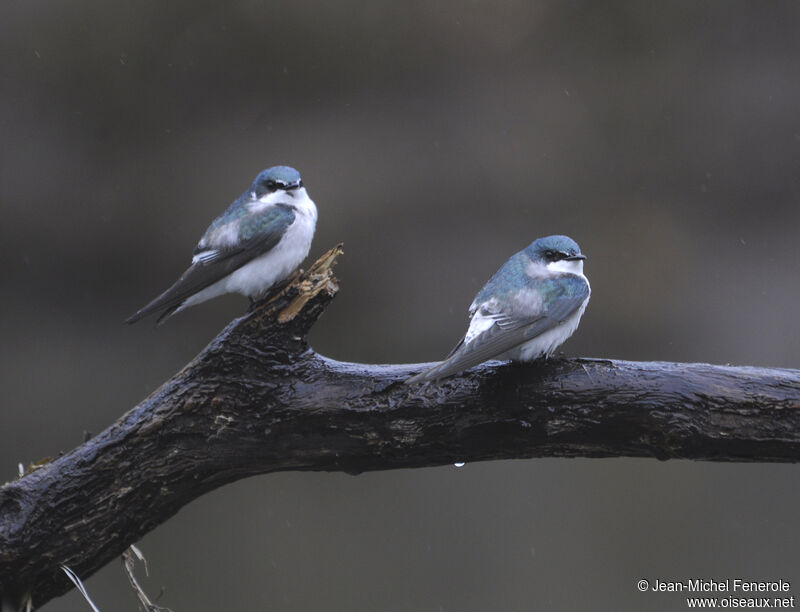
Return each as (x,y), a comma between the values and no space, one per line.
(215,263)
(505,332)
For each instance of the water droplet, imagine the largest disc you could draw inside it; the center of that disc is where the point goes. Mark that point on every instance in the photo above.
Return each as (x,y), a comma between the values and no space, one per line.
(460,464)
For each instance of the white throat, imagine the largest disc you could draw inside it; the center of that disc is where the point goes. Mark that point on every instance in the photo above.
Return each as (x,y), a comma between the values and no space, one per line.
(304,205)
(296,197)
(571,266)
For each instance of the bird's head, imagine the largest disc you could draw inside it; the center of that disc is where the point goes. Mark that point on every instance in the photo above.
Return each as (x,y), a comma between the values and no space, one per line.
(559,253)
(275,179)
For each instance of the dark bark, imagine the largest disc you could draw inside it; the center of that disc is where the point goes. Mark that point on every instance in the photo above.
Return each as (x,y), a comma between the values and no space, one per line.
(259,400)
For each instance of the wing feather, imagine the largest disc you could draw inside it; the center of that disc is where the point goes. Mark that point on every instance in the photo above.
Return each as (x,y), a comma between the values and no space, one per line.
(215,263)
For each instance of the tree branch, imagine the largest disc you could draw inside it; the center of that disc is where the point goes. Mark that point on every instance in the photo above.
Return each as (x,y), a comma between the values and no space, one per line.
(258,400)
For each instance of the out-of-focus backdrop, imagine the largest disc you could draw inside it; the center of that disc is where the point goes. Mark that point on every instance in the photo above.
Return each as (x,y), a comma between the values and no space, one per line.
(437,139)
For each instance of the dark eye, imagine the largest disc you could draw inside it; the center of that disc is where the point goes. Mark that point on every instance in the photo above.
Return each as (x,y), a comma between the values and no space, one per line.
(272,185)
(552,255)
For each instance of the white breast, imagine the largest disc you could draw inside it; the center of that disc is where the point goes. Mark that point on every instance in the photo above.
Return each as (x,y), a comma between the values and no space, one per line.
(545,344)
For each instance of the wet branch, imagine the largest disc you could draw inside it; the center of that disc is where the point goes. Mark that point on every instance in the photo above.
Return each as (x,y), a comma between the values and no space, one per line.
(259,400)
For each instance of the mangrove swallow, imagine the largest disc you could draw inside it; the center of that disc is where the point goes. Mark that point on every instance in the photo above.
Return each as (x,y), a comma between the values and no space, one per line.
(525,311)
(257,242)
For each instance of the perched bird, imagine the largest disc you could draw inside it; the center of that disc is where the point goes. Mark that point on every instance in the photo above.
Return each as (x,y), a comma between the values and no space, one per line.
(526,310)
(257,242)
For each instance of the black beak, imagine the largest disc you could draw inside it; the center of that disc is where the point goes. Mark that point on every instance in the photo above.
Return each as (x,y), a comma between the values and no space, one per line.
(578,257)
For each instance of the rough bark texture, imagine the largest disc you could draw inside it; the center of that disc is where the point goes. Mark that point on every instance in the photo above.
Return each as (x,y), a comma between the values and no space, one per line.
(259,400)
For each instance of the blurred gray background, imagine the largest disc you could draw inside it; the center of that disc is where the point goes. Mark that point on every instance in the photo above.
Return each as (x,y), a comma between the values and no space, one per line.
(437,139)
